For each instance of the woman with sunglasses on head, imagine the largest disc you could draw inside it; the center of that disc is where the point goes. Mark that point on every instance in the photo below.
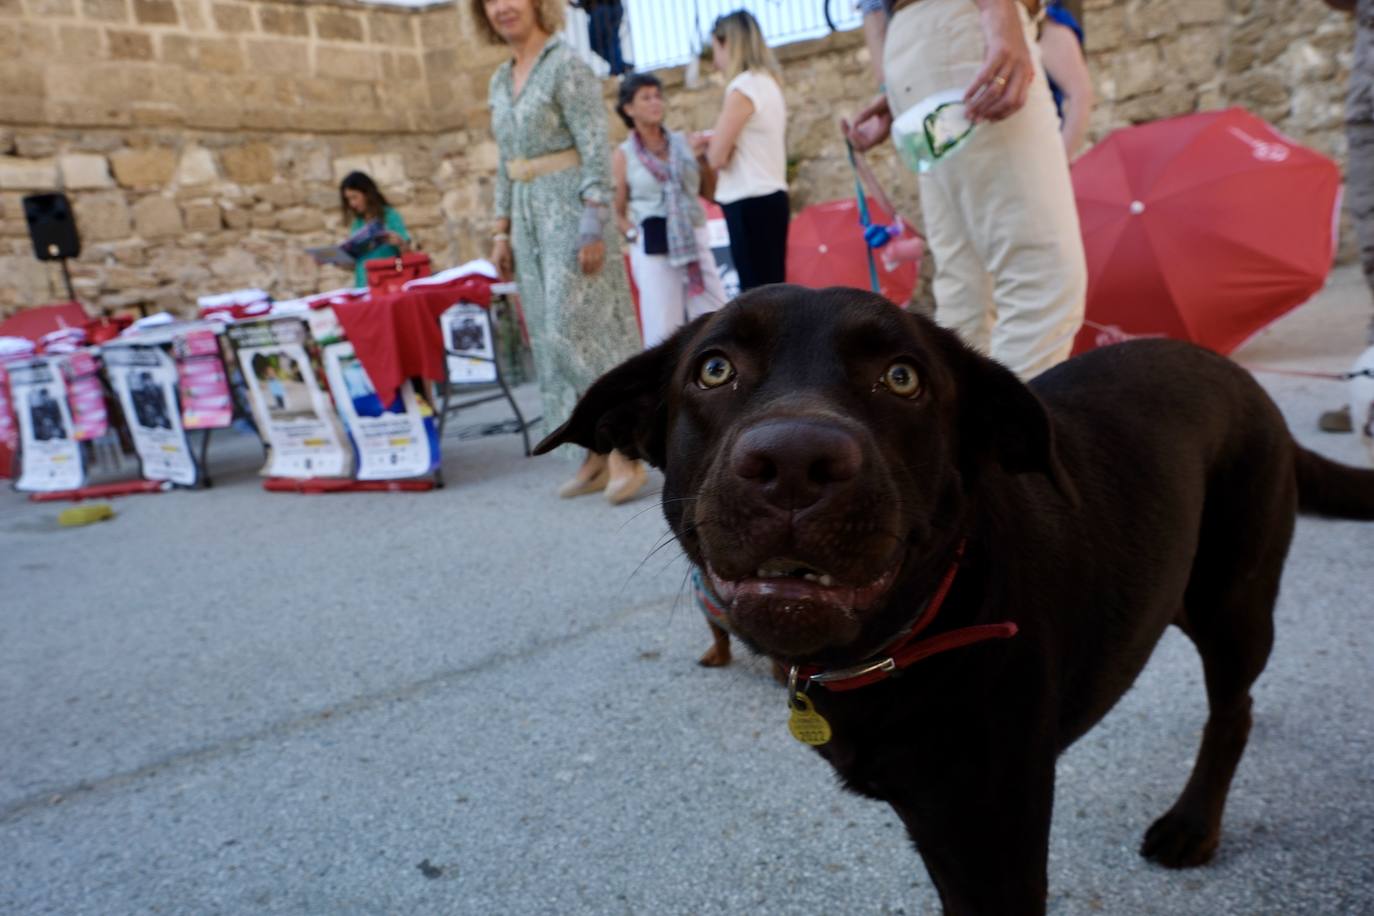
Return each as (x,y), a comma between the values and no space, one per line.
(657,182)
(553,190)
(748,149)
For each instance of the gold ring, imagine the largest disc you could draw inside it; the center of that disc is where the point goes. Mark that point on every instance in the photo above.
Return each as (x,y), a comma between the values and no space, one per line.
(1000,81)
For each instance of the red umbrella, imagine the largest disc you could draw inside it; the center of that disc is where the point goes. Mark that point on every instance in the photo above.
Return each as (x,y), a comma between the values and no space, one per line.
(1205,227)
(826,247)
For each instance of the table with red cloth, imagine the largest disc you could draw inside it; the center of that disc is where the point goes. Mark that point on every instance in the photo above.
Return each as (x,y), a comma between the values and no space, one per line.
(396,335)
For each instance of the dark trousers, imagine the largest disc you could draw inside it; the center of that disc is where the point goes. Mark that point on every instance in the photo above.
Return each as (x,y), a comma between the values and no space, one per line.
(758,238)
(603,34)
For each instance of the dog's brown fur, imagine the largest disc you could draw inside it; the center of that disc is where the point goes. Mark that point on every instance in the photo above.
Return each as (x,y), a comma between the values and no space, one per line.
(1137,486)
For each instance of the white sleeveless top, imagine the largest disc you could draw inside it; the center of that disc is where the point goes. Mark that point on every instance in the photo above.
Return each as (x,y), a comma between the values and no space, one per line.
(758,165)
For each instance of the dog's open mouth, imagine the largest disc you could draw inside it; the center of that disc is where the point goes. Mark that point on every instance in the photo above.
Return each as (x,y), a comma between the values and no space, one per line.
(791,609)
(789,579)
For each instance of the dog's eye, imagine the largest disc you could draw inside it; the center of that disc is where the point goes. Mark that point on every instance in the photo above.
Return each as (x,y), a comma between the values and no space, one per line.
(901,379)
(715,371)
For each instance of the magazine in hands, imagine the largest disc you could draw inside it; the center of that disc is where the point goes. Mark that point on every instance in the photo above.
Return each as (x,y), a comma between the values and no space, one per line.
(348,253)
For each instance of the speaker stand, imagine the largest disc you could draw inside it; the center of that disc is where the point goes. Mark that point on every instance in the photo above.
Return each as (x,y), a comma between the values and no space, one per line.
(67,278)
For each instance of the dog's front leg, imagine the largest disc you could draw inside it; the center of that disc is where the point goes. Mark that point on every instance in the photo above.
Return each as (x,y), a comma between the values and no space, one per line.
(719,653)
(983,833)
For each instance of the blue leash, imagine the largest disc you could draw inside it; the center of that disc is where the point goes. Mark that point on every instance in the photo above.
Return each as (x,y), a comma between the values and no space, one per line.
(876,235)
(865,220)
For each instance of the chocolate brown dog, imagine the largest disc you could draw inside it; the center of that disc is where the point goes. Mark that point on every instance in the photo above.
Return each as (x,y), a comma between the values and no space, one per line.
(963,572)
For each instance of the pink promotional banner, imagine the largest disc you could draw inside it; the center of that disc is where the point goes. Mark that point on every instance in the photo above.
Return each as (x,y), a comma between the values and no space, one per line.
(9,431)
(206,402)
(85,396)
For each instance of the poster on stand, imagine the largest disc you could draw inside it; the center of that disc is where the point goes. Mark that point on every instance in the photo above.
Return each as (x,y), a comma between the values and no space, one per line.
(719,240)
(85,396)
(206,402)
(293,414)
(392,441)
(50,456)
(471,353)
(324,324)
(144,378)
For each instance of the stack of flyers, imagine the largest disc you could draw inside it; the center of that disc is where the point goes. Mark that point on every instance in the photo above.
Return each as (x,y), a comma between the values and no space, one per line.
(63,340)
(12,348)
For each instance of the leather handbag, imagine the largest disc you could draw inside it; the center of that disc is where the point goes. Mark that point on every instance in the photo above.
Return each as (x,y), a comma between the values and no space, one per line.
(386,275)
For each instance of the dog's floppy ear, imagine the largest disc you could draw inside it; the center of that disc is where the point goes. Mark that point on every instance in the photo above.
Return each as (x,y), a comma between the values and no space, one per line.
(626,409)
(1002,419)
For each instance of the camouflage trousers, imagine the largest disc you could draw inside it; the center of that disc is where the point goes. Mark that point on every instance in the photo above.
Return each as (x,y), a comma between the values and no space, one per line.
(1359,190)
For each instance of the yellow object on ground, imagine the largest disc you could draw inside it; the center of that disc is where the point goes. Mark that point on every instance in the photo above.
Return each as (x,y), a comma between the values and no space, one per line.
(84,515)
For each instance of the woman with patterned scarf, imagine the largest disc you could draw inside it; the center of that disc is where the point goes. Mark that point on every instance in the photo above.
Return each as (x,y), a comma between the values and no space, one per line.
(657,181)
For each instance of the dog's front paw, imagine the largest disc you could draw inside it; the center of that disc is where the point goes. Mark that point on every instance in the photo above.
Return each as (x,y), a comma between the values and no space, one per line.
(1180,840)
(716,657)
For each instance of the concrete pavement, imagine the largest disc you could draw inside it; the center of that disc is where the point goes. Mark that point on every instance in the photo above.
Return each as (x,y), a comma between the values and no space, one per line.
(482,700)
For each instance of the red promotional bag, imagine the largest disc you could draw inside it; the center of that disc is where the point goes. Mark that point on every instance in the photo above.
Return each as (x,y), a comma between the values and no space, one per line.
(386,275)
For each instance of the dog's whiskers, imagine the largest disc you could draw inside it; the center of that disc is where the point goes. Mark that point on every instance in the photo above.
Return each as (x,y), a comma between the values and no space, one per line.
(666,540)
(651,507)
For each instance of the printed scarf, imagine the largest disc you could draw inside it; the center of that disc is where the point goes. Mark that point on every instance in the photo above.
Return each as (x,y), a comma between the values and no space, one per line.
(682,238)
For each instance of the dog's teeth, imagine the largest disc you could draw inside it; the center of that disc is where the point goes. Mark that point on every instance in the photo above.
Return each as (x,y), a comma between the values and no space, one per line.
(826,580)
(811,577)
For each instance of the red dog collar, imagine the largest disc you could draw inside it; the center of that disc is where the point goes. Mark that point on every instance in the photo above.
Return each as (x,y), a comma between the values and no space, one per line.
(906,650)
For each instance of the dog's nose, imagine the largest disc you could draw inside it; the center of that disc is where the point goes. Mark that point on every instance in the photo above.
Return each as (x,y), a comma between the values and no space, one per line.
(795,462)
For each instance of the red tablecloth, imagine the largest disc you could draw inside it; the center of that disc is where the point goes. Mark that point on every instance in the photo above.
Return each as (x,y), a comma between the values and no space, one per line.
(35,321)
(396,335)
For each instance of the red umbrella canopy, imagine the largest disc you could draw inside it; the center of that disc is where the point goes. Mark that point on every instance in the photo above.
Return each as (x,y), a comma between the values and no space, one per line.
(826,247)
(1205,227)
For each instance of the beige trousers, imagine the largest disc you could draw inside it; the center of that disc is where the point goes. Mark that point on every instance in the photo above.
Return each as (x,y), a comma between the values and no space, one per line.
(1010,276)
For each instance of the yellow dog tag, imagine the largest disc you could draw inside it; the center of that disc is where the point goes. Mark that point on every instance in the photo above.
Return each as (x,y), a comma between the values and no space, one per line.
(805,724)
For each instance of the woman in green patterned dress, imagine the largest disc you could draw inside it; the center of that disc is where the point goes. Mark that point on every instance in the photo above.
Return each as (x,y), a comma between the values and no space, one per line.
(553,190)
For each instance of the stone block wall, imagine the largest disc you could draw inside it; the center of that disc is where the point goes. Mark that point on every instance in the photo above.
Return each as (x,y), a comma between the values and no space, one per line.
(167,216)
(214,64)
(201,141)
(1288,62)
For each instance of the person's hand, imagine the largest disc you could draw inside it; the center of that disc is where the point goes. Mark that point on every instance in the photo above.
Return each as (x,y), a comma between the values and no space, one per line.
(999,88)
(871,126)
(699,140)
(591,256)
(396,239)
(503,259)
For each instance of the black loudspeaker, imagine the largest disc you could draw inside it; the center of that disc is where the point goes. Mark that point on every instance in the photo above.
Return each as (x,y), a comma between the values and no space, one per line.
(52,227)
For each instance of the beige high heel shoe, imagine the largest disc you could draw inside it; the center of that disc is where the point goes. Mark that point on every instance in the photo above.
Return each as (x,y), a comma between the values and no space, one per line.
(627,479)
(592,477)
